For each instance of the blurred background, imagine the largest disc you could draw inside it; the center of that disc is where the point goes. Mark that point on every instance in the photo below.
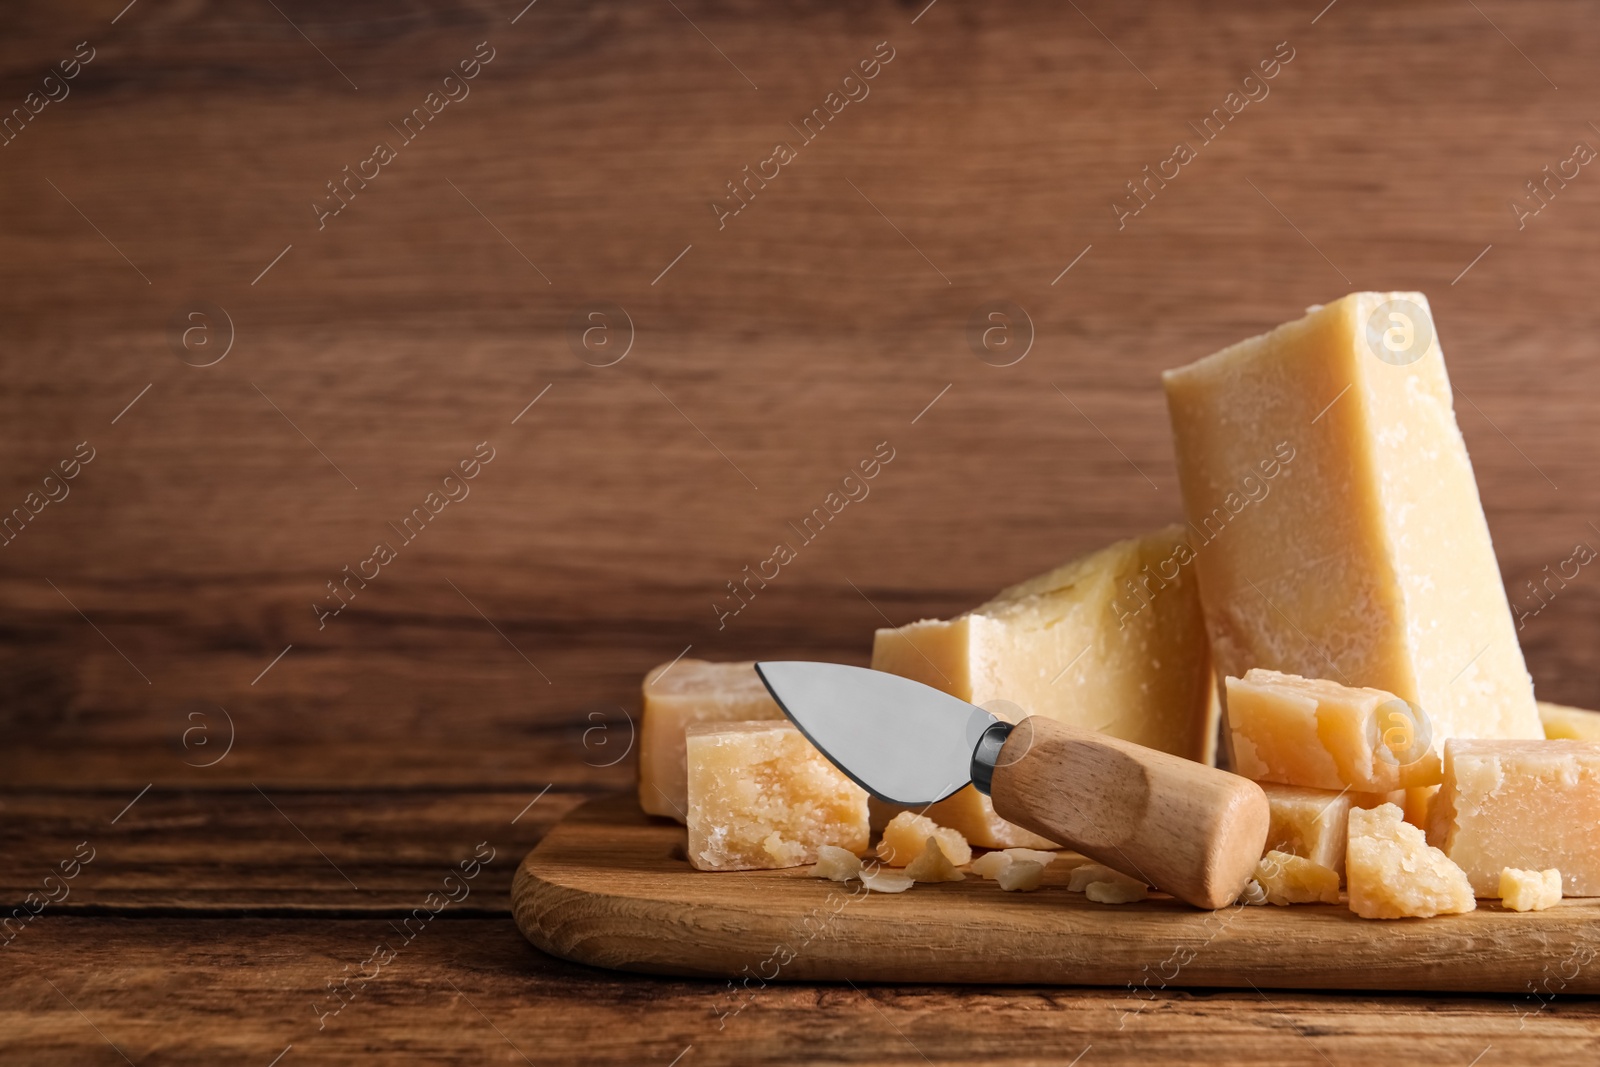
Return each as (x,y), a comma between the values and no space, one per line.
(386,387)
(668,272)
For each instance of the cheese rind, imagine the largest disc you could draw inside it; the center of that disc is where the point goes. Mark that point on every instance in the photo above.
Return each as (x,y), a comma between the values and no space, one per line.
(1335,518)
(1319,733)
(1114,641)
(1562,723)
(1288,879)
(761,797)
(1393,873)
(1524,804)
(676,695)
(1530,890)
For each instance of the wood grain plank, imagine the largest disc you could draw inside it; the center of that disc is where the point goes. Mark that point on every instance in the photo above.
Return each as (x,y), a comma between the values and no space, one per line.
(272,850)
(204,991)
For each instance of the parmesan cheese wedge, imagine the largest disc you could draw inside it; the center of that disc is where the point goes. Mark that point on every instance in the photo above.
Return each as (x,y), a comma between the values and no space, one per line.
(1336,524)
(1114,641)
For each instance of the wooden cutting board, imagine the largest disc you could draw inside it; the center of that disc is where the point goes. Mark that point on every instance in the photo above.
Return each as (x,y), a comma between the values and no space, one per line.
(610,886)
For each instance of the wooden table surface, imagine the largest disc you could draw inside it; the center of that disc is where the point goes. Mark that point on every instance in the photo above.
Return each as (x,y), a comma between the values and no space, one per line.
(267,389)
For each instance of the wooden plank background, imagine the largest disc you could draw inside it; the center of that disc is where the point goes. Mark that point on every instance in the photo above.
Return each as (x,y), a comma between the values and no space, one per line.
(499,654)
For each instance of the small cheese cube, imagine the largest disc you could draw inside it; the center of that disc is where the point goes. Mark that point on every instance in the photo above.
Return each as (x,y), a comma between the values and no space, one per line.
(1525,804)
(1318,733)
(885,881)
(933,865)
(1530,890)
(1312,822)
(904,837)
(1562,723)
(1123,892)
(1287,879)
(1393,872)
(760,796)
(1336,522)
(677,695)
(837,864)
(1114,641)
(1021,876)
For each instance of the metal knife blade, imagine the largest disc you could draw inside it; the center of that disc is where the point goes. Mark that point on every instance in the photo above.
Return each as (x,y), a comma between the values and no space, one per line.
(898,739)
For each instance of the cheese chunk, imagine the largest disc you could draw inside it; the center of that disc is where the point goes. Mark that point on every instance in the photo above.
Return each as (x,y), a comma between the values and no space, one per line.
(1393,873)
(1562,723)
(1530,890)
(1526,804)
(1335,520)
(677,695)
(760,796)
(1287,879)
(907,833)
(1312,823)
(1114,641)
(1313,732)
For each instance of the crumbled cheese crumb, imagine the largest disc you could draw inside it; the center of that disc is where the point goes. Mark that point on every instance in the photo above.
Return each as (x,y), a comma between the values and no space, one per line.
(1529,890)
(882,881)
(1287,879)
(838,864)
(1021,876)
(933,865)
(1123,892)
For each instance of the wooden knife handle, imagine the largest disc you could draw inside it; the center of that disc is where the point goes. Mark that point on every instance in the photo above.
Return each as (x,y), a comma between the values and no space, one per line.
(1188,829)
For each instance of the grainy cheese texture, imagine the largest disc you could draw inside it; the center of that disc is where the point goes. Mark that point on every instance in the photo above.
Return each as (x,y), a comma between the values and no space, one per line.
(1562,723)
(1524,804)
(677,695)
(1318,733)
(1336,521)
(1312,823)
(1393,873)
(1114,641)
(761,796)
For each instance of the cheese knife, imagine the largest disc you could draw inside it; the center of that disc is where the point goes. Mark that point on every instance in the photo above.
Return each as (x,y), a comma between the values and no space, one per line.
(1190,830)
